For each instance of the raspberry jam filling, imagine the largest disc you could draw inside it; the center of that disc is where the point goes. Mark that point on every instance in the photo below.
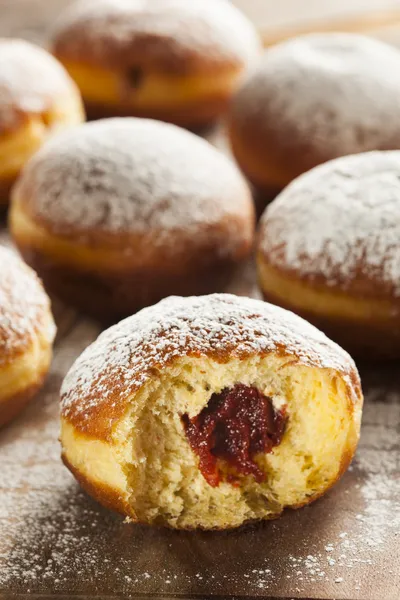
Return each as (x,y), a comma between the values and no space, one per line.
(234,427)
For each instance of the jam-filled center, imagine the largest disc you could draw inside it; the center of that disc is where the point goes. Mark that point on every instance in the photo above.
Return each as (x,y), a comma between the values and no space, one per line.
(234,427)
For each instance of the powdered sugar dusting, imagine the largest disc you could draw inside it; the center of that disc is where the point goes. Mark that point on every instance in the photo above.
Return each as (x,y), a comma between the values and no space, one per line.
(340,221)
(23,304)
(180,36)
(333,94)
(31,80)
(134,176)
(219,326)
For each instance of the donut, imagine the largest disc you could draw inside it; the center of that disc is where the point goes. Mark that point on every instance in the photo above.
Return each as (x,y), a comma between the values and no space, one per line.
(329,249)
(37,99)
(119,213)
(27,331)
(209,412)
(312,99)
(171,60)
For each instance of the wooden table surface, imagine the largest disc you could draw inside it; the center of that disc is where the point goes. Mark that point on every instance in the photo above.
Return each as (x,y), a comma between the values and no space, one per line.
(55,542)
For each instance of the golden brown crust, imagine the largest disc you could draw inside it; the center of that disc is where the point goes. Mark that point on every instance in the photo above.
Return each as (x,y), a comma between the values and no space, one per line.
(363,319)
(13,405)
(105,494)
(358,286)
(125,35)
(154,254)
(268,157)
(367,339)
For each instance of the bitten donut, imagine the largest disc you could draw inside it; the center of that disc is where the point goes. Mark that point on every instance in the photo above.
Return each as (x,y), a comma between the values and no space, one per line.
(120,213)
(37,99)
(26,335)
(329,249)
(210,412)
(313,99)
(172,60)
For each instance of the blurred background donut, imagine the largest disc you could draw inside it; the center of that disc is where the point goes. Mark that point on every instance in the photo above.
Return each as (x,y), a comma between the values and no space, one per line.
(122,212)
(173,60)
(37,99)
(312,99)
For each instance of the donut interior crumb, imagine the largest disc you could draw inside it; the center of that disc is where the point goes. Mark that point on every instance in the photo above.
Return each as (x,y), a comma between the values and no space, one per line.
(151,461)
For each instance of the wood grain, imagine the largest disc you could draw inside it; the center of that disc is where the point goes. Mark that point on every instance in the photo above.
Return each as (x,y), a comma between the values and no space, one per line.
(57,543)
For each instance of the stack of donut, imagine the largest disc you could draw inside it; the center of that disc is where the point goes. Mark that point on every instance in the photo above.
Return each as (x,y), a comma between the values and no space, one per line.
(196,410)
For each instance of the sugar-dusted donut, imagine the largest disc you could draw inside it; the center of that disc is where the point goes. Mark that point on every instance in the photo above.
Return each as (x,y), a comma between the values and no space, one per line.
(312,99)
(37,99)
(119,213)
(329,249)
(210,412)
(26,335)
(172,60)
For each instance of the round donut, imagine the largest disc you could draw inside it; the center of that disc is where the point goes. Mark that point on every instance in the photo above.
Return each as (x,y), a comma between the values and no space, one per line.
(313,99)
(171,60)
(37,99)
(27,331)
(117,214)
(329,249)
(210,412)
